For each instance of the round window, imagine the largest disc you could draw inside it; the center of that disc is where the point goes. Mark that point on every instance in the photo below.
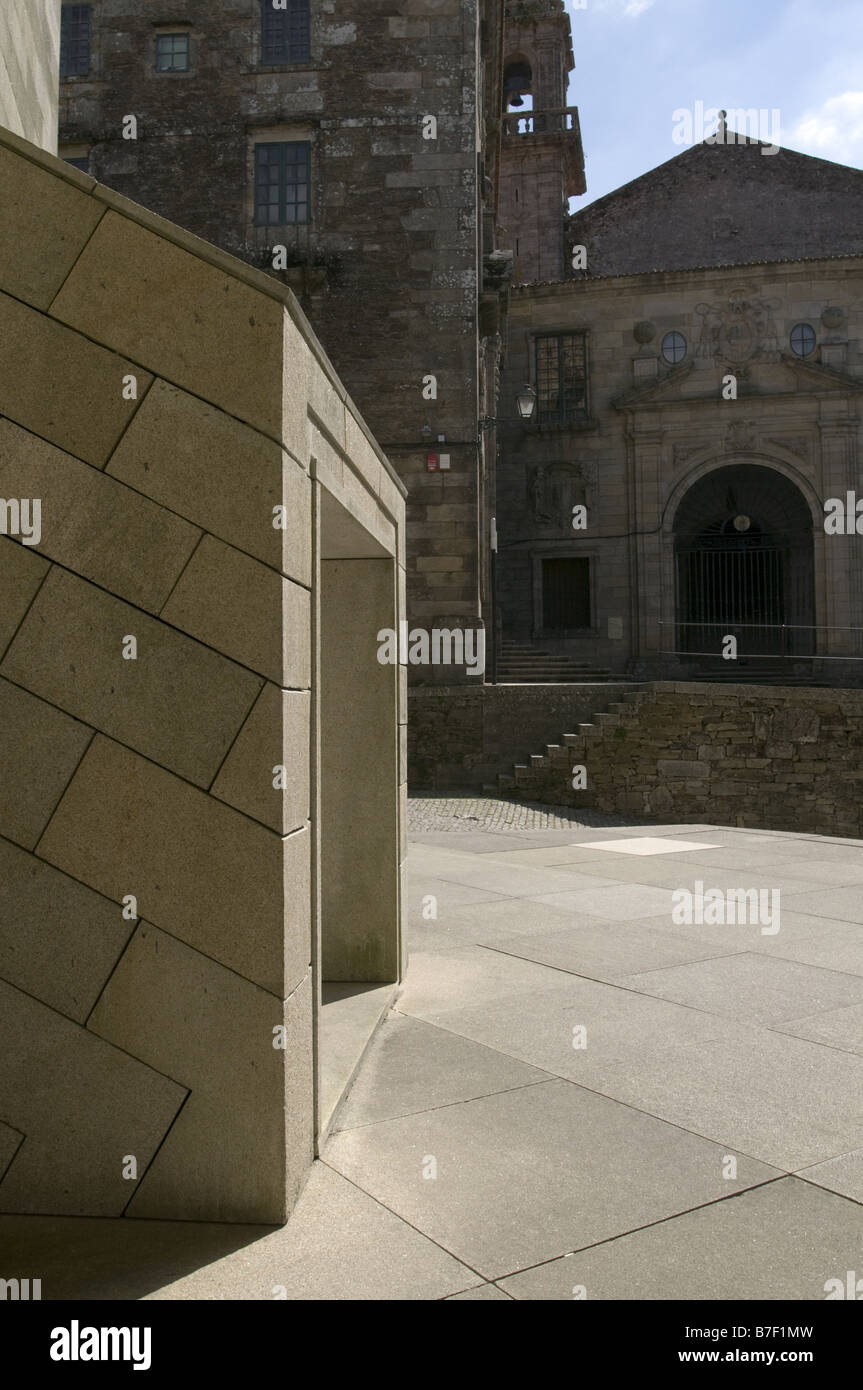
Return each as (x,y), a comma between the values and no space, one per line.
(674,348)
(802,339)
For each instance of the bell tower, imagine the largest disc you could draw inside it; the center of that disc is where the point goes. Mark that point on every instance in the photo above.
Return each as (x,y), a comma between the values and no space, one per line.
(542,160)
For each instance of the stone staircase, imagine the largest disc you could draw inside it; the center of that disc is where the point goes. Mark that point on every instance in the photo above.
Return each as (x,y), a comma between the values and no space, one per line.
(522,663)
(546,777)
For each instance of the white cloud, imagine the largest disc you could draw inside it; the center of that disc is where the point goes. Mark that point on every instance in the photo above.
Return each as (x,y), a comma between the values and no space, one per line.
(833,131)
(626,9)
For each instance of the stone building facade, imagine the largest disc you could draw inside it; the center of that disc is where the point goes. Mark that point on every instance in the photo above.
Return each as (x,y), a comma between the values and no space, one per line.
(362,139)
(698,409)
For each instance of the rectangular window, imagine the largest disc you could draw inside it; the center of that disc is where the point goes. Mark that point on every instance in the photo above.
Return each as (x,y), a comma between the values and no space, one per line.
(172,52)
(282,181)
(75,40)
(285,32)
(566,594)
(79,162)
(561,378)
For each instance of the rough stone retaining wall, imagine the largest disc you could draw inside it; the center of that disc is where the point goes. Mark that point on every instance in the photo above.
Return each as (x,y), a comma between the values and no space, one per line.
(461,737)
(779,758)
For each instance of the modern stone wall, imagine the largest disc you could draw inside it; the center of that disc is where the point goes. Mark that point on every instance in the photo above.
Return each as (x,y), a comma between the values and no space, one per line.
(162,403)
(29,69)
(767,757)
(463,739)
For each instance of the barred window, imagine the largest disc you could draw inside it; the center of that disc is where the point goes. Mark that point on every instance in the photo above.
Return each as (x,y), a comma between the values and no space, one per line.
(285,31)
(172,52)
(561,378)
(282,182)
(75,28)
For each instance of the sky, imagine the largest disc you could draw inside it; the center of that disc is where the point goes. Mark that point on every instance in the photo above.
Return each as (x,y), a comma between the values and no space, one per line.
(638,61)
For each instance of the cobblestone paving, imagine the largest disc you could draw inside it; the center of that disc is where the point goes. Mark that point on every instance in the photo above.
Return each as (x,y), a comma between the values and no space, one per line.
(435,813)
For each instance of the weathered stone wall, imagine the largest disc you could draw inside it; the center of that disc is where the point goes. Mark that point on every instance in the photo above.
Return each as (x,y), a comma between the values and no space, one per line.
(724,204)
(464,738)
(389,267)
(29,69)
(768,757)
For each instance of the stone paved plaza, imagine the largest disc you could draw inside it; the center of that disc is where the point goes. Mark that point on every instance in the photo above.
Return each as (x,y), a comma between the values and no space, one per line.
(573,1095)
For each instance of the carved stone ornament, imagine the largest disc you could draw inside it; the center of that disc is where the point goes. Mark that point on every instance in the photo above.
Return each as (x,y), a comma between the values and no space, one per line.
(740,435)
(797,445)
(739,328)
(555,488)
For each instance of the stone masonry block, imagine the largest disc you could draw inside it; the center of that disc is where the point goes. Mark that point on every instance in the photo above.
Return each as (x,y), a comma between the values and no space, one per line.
(21,573)
(59,941)
(276,733)
(187,320)
(42,748)
(38,209)
(82,1106)
(224,1159)
(94,525)
(199,869)
(179,703)
(245,610)
(221,475)
(57,384)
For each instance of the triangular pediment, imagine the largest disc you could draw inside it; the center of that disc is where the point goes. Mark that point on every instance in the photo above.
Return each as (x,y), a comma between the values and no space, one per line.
(779,374)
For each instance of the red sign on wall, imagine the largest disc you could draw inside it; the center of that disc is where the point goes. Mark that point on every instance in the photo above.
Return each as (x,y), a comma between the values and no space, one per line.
(432,463)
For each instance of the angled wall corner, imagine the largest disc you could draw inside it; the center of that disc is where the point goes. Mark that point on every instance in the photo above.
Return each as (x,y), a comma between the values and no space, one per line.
(157,826)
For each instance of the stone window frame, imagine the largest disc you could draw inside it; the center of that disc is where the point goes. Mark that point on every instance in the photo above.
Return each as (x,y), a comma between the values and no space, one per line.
(286,16)
(803,356)
(566,550)
(161,31)
(80,76)
(294,235)
(674,361)
(576,422)
(256,63)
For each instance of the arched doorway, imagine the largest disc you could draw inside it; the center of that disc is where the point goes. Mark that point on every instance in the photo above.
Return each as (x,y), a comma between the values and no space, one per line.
(744,567)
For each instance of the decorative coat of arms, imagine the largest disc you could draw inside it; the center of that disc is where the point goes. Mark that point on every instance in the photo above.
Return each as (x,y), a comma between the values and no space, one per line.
(740,328)
(555,488)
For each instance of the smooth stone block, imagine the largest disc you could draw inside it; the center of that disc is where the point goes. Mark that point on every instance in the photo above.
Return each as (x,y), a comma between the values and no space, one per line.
(196,325)
(21,573)
(179,703)
(83,1105)
(59,941)
(62,386)
(94,525)
(276,733)
(38,210)
(246,611)
(185,1015)
(42,748)
(221,475)
(200,870)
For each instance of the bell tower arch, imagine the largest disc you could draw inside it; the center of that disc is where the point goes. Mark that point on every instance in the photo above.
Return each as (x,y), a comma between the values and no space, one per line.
(542,160)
